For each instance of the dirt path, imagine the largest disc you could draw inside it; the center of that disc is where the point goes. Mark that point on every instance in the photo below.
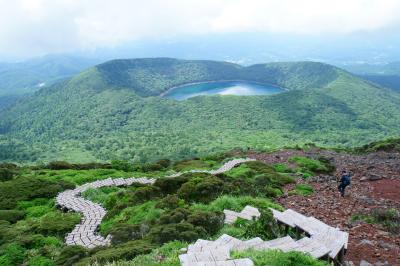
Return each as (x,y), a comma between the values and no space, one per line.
(367,242)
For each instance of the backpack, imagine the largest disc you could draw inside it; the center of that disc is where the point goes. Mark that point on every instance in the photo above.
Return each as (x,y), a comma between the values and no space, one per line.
(346,180)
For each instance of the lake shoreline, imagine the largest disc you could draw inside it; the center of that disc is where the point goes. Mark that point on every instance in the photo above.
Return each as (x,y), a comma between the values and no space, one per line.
(215,81)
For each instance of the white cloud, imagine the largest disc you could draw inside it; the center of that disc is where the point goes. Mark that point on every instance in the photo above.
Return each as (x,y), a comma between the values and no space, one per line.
(30,27)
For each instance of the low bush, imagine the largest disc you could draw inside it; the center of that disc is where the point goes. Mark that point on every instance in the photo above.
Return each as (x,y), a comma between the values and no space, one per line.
(24,188)
(201,189)
(171,185)
(11,216)
(170,202)
(237,204)
(143,194)
(182,231)
(126,251)
(59,165)
(169,253)
(69,255)
(302,190)
(265,226)
(57,223)
(282,168)
(12,254)
(122,165)
(315,166)
(278,258)
(40,261)
(6,174)
(122,233)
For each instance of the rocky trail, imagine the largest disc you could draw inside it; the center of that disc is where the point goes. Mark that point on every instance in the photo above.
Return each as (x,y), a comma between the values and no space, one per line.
(375,185)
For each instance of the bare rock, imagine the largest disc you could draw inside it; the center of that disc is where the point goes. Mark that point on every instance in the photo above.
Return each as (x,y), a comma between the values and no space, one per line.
(365,263)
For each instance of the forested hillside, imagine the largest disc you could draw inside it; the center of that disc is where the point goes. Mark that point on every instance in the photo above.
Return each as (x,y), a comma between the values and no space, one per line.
(113,111)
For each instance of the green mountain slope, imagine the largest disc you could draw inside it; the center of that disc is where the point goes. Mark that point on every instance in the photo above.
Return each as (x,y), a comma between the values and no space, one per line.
(386,75)
(113,111)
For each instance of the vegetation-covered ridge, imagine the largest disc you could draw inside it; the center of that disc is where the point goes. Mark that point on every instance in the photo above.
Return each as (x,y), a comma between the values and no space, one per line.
(144,220)
(100,114)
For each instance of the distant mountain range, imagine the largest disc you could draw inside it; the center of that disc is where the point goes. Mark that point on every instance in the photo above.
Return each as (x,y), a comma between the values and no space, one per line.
(386,75)
(113,111)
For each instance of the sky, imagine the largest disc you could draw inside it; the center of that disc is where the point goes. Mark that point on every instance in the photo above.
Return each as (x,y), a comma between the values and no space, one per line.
(31,28)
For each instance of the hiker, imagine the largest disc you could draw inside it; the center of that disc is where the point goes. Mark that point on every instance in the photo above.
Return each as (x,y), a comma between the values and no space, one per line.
(344,182)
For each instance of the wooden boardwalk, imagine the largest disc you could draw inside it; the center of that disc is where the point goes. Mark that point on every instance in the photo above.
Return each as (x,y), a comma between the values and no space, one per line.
(323,241)
(85,233)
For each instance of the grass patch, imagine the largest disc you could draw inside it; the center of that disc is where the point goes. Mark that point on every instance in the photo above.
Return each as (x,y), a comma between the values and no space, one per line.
(133,215)
(237,203)
(166,255)
(388,218)
(278,258)
(242,170)
(309,167)
(302,190)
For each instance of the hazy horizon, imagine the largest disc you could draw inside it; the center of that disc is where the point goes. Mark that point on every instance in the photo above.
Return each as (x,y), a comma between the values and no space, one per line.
(244,32)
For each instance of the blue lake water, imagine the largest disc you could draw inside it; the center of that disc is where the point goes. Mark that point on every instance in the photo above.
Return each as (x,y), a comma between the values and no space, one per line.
(240,88)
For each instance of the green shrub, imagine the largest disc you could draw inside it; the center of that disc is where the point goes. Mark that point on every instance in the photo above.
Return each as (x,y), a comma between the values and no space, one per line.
(242,170)
(282,168)
(24,188)
(57,223)
(69,255)
(212,222)
(145,193)
(182,231)
(201,190)
(122,165)
(126,251)
(312,165)
(40,261)
(132,215)
(8,166)
(170,185)
(122,233)
(59,165)
(36,241)
(302,190)
(6,174)
(11,216)
(265,226)
(165,163)
(151,167)
(12,254)
(170,202)
(166,255)
(278,258)
(237,204)
(272,192)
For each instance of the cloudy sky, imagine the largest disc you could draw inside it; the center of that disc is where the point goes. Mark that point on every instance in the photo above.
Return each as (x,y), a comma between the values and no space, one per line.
(36,27)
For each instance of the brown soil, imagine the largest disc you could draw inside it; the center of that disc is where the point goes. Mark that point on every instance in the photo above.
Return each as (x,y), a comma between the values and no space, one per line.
(368,242)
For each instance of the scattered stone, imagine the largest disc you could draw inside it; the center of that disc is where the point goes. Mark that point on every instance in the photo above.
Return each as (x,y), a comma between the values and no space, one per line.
(366,242)
(365,263)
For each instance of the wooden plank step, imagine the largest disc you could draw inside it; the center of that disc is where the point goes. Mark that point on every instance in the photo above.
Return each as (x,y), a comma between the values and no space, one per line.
(284,243)
(237,262)
(314,248)
(291,217)
(248,244)
(333,239)
(227,241)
